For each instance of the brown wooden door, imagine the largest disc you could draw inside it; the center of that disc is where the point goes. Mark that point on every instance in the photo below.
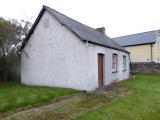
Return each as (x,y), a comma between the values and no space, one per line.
(100,70)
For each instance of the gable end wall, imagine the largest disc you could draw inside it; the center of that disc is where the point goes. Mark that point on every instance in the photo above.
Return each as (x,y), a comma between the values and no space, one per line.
(54,56)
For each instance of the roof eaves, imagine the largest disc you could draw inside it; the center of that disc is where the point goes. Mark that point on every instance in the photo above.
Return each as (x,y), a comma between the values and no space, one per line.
(108,46)
(138,44)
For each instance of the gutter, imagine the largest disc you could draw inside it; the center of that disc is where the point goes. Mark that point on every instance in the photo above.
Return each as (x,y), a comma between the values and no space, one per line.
(138,44)
(107,46)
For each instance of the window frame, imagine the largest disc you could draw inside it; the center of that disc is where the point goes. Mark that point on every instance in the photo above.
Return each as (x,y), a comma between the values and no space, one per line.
(114,62)
(124,62)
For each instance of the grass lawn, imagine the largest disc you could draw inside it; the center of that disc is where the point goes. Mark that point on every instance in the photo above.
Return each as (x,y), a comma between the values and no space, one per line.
(142,104)
(14,95)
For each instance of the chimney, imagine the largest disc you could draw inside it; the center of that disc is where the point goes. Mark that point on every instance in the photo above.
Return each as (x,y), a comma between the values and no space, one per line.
(101,29)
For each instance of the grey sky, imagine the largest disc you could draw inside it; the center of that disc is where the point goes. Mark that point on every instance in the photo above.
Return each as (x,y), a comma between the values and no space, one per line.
(119,17)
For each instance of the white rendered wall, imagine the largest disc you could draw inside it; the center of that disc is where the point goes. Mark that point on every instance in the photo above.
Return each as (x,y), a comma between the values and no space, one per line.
(109,75)
(54,56)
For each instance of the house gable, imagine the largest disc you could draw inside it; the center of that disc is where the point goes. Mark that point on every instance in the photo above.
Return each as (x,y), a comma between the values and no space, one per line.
(54,51)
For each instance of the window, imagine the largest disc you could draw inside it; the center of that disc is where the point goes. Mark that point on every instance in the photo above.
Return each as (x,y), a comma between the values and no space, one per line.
(158,43)
(158,40)
(124,62)
(158,34)
(114,62)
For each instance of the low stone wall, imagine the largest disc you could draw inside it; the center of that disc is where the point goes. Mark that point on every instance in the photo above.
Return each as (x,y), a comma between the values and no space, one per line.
(145,67)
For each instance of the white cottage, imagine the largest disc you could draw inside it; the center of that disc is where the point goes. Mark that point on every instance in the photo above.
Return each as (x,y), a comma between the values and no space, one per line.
(62,52)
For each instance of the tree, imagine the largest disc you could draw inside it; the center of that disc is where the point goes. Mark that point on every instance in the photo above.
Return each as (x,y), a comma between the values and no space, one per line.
(12,34)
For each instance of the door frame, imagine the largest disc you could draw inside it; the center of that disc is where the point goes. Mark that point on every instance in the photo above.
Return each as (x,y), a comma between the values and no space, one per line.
(100,69)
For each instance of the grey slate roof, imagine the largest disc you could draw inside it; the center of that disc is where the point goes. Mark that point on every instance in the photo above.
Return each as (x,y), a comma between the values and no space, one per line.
(84,32)
(137,39)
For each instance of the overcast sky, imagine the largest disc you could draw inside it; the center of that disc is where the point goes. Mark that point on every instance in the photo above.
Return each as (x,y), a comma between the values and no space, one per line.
(119,17)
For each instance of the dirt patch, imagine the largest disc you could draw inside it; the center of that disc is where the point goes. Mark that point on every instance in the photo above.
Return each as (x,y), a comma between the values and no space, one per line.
(67,107)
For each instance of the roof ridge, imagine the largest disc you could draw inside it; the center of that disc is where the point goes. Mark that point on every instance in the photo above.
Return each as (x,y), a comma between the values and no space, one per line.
(137,33)
(71,18)
(78,22)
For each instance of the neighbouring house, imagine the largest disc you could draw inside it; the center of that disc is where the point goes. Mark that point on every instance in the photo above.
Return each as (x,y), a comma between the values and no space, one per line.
(63,52)
(143,47)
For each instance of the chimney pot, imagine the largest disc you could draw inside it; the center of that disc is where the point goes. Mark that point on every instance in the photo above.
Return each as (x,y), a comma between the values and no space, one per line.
(101,29)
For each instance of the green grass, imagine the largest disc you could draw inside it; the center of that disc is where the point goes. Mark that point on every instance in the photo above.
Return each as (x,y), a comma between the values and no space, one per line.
(14,95)
(142,104)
